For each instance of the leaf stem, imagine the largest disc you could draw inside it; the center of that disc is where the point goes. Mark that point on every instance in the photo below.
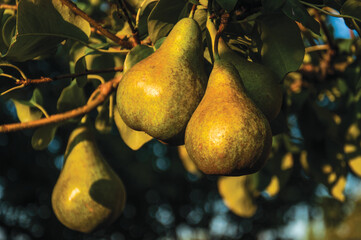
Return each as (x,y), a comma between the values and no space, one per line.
(15,67)
(9,76)
(104,91)
(105,32)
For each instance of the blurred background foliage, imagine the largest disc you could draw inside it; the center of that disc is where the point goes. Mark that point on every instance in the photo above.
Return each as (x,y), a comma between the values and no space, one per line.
(309,189)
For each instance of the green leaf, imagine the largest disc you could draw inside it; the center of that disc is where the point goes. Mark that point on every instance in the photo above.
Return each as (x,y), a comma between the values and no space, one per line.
(132,138)
(351,8)
(43,136)
(144,12)
(37,97)
(269,6)
(296,11)
(227,5)
(280,43)
(137,54)
(41,26)
(159,43)
(71,97)
(9,30)
(163,17)
(26,111)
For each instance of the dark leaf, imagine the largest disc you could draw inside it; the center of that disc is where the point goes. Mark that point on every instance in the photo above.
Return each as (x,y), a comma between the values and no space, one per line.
(280,43)
(296,11)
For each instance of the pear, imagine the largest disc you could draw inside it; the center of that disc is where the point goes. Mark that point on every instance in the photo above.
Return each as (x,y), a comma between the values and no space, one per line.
(159,94)
(261,83)
(88,194)
(227,134)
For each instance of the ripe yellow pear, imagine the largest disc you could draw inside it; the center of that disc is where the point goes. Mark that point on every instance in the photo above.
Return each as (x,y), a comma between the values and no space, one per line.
(261,83)
(227,134)
(159,94)
(88,194)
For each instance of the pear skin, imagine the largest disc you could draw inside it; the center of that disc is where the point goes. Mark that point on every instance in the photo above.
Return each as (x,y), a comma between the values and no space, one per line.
(159,94)
(227,134)
(261,83)
(88,194)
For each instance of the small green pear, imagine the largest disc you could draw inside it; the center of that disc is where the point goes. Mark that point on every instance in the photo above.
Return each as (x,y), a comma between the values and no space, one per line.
(159,94)
(227,134)
(88,194)
(261,83)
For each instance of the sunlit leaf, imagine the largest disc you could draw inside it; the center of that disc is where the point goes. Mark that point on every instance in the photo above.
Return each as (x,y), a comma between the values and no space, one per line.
(133,139)
(355,165)
(274,187)
(26,111)
(338,189)
(188,163)
(43,136)
(236,195)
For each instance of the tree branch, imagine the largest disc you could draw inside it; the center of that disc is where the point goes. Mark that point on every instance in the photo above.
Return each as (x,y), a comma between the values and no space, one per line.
(8,6)
(104,91)
(113,37)
(130,22)
(74,75)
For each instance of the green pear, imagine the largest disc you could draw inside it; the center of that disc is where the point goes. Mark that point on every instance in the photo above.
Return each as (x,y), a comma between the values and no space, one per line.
(88,194)
(261,83)
(159,94)
(227,134)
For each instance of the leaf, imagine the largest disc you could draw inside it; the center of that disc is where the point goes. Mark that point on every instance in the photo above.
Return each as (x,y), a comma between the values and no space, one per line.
(135,55)
(103,123)
(296,11)
(227,5)
(144,12)
(163,17)
(335,4)
(188,163)
(37,97)
(338,189)
(159,43)
(133,139)
(43,136)
(351,8)
(71,97)
(280,43)
(26,111)
(236,195)
(8,30)
(269,6)
(41,26)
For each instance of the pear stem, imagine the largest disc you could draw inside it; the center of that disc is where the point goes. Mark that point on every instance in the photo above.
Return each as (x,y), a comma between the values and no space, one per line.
(222,26)
(194,8)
